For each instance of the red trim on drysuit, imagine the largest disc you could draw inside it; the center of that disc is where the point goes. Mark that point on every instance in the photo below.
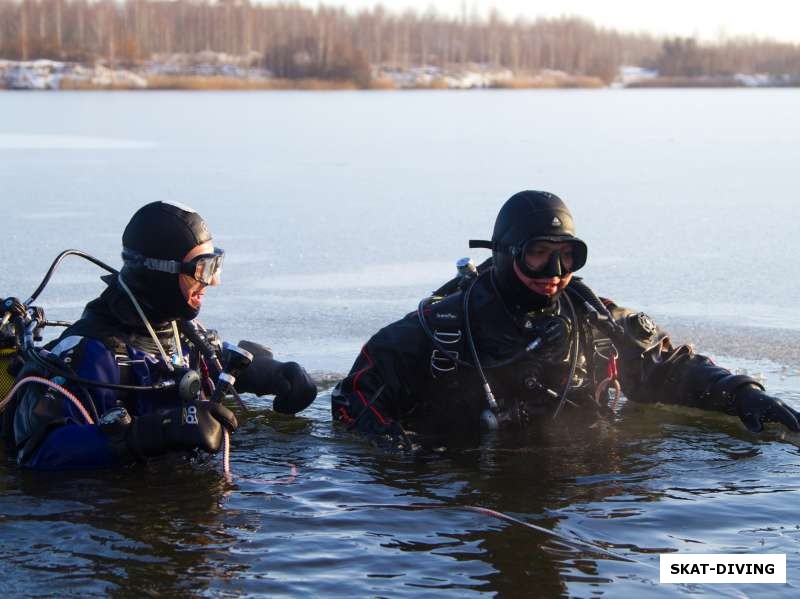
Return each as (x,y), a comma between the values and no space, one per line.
(358,392)
(346,418)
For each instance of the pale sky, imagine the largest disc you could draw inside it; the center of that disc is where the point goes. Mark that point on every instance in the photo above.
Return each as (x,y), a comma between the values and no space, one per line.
(707,19)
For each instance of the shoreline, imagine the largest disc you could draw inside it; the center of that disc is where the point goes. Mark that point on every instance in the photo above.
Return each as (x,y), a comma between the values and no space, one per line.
(217,83)
(218,75)
(323,86)
(48,75)
(194,83)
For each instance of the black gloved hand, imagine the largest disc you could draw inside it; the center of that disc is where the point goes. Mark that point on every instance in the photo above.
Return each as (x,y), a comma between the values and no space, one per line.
(301,393)
(367,420)
(755,407)
(287,381)
(194,425)
(389,436)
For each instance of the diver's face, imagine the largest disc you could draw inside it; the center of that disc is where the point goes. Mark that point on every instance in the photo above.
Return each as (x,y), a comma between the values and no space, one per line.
(537,255)
(192,289)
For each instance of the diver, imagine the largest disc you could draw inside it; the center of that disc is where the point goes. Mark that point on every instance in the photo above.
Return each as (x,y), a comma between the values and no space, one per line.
(137,364)
(521,339)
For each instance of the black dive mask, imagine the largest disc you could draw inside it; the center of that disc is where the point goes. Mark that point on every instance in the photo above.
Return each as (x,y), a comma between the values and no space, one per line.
(557,264)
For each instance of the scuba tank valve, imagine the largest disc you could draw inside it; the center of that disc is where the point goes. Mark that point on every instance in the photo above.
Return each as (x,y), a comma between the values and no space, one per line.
(466,267)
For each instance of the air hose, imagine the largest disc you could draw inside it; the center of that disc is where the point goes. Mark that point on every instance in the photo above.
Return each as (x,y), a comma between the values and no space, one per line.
(55,386)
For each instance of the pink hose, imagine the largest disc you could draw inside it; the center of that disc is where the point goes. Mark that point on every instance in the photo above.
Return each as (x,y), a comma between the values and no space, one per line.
(47,382)
(604,386)
(226,438)
(226,454)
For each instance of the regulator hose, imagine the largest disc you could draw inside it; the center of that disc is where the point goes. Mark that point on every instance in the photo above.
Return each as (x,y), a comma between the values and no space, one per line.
(58,261)
(585,293)
(49,365)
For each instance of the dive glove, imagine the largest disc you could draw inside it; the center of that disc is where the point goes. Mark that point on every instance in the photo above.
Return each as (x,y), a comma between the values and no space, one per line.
(287,381)
(192,425)
(389,436)
(755,407)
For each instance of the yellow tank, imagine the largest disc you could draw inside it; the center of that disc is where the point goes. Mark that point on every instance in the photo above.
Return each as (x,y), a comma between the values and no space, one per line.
(6,379)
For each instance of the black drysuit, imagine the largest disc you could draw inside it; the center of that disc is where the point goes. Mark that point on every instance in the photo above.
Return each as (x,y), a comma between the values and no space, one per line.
(403,378)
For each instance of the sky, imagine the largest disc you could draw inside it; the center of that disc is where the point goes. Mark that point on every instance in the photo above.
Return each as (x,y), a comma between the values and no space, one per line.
(706,19)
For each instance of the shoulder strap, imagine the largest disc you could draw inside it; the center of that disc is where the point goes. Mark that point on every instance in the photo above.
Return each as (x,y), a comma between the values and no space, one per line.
(97,328)
(443,322)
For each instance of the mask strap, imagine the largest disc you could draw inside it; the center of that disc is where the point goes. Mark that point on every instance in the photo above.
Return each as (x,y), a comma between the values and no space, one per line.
(146,322)
(136,259)
(480,243)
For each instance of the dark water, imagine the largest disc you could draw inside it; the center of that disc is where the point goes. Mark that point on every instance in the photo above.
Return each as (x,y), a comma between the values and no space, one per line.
(338,211)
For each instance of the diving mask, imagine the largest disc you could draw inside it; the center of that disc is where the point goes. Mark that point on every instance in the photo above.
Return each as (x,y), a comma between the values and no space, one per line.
(202,268)
(553,258)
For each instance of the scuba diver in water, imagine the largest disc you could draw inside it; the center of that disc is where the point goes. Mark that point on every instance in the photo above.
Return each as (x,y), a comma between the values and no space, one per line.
(520,338)
(137,366)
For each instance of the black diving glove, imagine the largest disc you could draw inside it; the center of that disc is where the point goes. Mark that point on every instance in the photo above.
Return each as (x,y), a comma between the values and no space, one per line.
(390,436)
(287,381)
(194,425)
(755,407)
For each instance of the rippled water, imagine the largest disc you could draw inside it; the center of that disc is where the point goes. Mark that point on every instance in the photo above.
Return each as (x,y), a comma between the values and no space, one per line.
(337,212)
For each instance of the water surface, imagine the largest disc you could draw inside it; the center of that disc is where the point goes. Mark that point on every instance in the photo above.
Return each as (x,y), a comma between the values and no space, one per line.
(338,211)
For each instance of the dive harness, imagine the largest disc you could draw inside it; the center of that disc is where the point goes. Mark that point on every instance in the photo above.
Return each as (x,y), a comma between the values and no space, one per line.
(636,326)
(466,281)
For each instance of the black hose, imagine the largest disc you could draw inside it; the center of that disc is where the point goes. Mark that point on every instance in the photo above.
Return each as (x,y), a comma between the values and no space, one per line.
(474,350)
(585,293)
(452,355)
(58,261)
(33,355)
(574,361)
(429,333)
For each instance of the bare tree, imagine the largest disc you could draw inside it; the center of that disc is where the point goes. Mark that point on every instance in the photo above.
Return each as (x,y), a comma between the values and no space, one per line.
(135,30)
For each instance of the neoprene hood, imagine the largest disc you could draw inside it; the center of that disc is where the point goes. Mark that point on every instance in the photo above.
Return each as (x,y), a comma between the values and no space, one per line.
(164,231)
(530,216)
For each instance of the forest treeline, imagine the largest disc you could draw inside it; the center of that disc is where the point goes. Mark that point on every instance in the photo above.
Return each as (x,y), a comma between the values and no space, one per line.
(329,42)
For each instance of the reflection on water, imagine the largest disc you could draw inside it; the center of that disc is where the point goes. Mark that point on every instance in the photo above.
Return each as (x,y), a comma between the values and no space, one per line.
(649,480)
(334,227)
